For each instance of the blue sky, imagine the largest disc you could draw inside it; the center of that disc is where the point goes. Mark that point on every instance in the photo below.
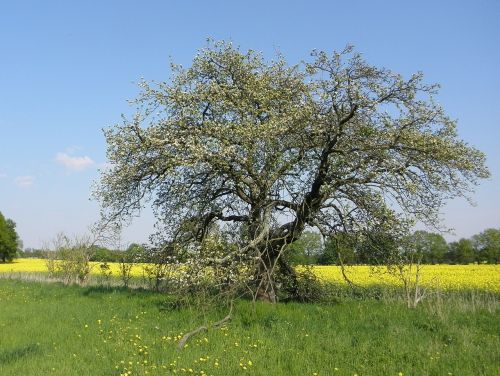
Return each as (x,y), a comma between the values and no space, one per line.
(68,68)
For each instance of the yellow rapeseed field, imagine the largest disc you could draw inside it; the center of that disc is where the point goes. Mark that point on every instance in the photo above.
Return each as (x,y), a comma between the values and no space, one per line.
(484,277)
(447,277)
(24,265)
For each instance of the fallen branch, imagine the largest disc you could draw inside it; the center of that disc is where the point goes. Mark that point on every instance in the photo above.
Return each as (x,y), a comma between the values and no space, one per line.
(203,328)
(186,336)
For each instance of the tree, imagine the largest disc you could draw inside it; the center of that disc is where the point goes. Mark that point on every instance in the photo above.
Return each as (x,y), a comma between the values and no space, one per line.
(9,240)
(339,249)
(487,245)
(379,247)
(306,249)
(461,252)
(432,247)
(268,149)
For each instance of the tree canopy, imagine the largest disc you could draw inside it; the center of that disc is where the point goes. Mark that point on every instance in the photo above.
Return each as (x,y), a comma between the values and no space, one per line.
(306,249)
(462,251)
(430,247)
(487,244)
(267,150)
(9,240)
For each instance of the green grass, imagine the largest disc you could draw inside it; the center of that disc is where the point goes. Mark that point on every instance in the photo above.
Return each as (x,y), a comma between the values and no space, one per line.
(51,329)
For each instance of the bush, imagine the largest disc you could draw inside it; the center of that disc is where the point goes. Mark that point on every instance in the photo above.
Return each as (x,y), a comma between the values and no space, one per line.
(70,259)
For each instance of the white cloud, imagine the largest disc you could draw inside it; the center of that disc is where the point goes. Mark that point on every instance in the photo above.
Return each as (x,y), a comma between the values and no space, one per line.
(2,175)
(74,163)
(24,181)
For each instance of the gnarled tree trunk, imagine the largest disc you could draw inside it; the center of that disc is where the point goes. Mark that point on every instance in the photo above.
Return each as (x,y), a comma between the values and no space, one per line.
(274,273)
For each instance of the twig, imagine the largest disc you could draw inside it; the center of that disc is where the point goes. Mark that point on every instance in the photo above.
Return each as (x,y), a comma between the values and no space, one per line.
(344,275)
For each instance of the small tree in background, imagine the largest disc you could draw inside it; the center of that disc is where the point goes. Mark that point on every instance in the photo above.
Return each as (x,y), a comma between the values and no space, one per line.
(339,250)
(487,246)
(461,252)
(306,250)
(432,247)
(158,267)
(69,259)
(133,254)
(9,240)
(407,267)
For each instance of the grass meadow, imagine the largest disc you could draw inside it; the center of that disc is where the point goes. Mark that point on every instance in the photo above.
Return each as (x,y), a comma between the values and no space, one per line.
(53,329)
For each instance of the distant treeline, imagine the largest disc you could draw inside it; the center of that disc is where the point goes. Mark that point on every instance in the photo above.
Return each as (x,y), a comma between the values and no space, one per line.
(99,254)
(432,248)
